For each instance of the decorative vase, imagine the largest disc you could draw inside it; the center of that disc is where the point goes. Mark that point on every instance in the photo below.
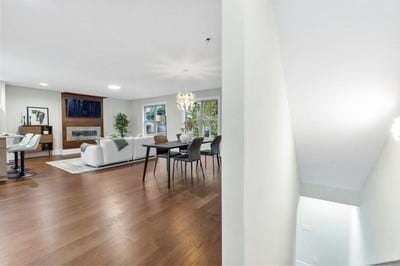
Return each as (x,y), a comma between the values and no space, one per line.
(184,138)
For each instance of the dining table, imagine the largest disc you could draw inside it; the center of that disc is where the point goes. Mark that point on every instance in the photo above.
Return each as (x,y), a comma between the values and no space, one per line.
(170,145)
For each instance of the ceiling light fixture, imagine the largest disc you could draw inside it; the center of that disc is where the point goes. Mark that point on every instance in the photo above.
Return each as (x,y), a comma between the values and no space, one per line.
(185,101)
(114,87)
(43,84)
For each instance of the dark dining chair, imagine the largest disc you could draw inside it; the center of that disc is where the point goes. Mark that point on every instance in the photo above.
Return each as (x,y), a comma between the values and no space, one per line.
(192,155)
(162,153)
(214,151)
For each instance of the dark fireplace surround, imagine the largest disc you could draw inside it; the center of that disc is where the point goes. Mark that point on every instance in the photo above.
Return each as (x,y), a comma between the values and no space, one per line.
(77,130)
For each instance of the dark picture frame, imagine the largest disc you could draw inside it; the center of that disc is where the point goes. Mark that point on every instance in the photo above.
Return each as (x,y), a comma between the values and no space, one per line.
(38,116)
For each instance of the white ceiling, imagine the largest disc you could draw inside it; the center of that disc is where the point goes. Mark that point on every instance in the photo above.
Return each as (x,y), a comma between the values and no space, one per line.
(342,66)
(141,45)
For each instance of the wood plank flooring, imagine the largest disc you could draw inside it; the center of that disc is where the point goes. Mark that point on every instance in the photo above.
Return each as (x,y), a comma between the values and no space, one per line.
(109,217)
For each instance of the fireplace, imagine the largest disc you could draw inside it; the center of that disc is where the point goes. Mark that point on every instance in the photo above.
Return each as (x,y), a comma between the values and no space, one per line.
(79,127)
(83,133)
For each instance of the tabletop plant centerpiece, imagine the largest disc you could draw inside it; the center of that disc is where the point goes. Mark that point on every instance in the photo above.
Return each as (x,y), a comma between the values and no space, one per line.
(121,123)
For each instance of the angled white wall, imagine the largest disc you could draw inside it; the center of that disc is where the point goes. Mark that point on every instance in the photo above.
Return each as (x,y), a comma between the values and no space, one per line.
(260,188)
(380,205)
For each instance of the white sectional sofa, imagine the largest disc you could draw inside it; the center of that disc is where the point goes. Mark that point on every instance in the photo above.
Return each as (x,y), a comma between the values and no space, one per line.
(107,153)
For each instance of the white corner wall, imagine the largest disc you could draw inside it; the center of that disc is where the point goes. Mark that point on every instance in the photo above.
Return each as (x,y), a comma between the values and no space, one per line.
(323,232)
(380,205)
(258,141)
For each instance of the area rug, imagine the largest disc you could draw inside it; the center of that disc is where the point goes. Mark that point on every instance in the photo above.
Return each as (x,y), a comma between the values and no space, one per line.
(77,166)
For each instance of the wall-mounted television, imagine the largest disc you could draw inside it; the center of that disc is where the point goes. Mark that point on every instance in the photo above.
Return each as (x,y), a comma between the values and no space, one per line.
(83,108)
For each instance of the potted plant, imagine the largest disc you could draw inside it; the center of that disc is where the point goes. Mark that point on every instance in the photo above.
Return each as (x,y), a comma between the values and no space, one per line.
(46,130)
(121,123)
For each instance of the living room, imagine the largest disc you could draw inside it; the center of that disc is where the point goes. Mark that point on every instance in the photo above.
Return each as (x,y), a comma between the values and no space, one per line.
(107,118)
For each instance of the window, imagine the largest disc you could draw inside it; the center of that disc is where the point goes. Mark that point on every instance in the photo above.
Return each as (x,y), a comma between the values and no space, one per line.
(205,118)
(155,119)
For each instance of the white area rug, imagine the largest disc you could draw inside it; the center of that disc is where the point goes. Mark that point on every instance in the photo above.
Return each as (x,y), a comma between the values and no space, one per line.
(77,166)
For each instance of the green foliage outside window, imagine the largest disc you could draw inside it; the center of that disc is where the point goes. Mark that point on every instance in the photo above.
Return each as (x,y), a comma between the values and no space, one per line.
(205,118)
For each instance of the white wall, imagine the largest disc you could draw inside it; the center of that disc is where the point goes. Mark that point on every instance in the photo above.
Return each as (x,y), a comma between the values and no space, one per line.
(232,132)
(18,98)
(334,194)
(2,106)
(270,183)
(380,205)
(111,108)
(356,242)
(323,232)
(174,115)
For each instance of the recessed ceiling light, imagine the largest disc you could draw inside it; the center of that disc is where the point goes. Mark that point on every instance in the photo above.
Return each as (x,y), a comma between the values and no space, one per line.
(43,84)
(114,87)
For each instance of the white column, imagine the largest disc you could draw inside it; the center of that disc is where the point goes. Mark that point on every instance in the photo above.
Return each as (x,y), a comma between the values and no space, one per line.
(260,187)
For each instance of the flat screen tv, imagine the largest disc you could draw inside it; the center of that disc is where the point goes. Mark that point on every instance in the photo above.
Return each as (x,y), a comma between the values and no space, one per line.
(83,108)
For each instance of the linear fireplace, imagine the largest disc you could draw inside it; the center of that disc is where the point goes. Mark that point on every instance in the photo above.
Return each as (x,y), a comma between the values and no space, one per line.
(80,124)
(83,133)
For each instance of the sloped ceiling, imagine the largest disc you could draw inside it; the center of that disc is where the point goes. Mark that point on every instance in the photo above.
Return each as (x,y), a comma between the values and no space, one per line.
(342,67)
(145,46)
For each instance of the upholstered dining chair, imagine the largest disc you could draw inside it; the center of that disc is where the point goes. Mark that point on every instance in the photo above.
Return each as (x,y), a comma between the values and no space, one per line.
(162,153)
(192,155)
(215,151)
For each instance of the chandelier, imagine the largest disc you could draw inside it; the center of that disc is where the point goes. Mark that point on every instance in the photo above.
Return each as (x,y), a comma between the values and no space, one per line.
(185,101)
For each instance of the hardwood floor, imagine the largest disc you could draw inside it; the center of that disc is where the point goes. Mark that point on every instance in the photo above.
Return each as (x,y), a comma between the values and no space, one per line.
(109,217)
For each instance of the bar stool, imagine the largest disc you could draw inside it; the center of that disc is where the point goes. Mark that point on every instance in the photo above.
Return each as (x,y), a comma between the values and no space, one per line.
(25,140)
(31,146)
